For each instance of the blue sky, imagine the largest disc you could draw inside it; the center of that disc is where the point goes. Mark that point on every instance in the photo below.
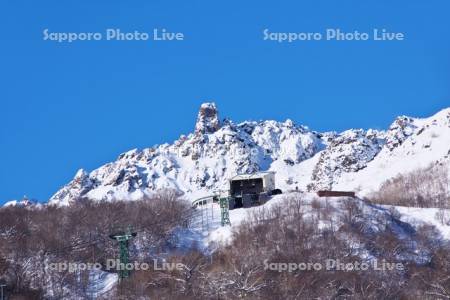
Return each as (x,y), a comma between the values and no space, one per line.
(68,106)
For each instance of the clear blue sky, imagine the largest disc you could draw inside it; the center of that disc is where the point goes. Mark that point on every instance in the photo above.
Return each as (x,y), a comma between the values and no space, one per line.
(79,105)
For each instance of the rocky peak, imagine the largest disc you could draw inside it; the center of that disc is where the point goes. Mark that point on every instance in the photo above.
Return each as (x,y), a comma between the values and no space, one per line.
(77,188)
(208,119)
(348,152)
(399,131)
(81,175)
(203,161)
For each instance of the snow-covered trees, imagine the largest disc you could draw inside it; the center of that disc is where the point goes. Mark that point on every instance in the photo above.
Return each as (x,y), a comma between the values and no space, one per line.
(31,239)
(424,187)
(297,231)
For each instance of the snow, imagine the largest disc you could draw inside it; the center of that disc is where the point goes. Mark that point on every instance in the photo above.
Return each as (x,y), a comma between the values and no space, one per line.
(418,216)
(207,120)
(25,202)
(195,164)
(11,203)
(296,176)
(100,283)
(209,233)
(201,163)
(206,231)
(429,143)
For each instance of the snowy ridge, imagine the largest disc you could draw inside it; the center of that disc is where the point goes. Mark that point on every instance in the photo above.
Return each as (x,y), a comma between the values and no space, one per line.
(348,153)
(25,202)
(201,162)
(417,145)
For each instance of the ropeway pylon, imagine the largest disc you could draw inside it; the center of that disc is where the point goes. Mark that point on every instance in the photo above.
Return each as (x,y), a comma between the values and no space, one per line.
(224,211)
(123,237)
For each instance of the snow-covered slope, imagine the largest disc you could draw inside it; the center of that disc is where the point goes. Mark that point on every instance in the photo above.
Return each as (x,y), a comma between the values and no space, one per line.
(410,144)
(206,231)
(349,152)
(203,161)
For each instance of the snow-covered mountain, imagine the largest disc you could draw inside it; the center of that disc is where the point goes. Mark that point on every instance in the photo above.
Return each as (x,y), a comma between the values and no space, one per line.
(25,202)
(203,161)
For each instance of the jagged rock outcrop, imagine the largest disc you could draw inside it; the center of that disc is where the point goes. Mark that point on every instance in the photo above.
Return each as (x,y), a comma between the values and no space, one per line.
(200,162)
(74,190)
(208,119)
(402,128)
(348,152)
(203,161)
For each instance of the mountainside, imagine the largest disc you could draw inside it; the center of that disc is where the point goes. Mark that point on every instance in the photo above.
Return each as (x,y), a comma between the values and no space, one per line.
(409,144)
(203,161)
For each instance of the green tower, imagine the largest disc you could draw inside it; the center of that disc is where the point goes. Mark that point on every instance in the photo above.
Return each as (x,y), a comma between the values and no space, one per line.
(122,238)
(224,210)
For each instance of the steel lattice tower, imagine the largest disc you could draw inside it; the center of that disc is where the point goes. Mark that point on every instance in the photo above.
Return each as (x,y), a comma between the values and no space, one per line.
(122,238)
(224,210)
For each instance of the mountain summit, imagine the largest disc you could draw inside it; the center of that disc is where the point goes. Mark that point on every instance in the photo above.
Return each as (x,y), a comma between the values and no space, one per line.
(208,119)
(203,161)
